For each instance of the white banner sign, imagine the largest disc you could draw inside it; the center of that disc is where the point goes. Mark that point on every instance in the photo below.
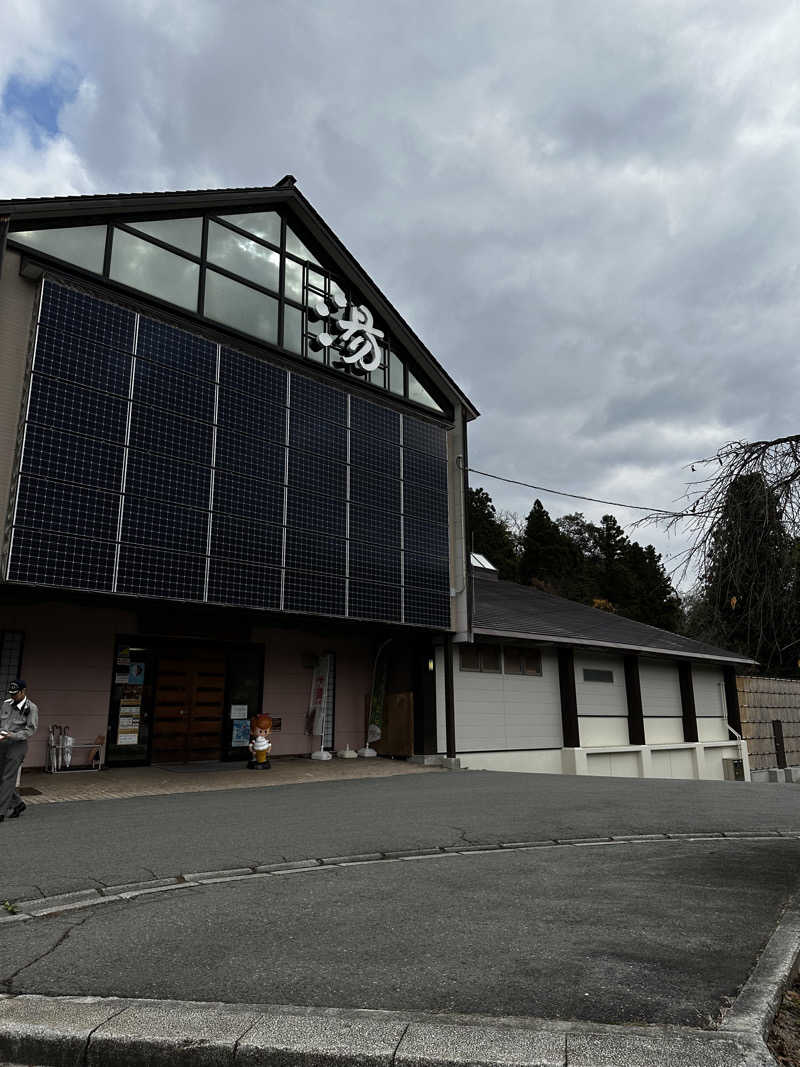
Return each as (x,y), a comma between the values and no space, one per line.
(319,695)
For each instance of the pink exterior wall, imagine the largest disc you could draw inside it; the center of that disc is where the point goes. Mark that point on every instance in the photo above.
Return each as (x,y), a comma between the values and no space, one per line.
(67,661)
(287,685)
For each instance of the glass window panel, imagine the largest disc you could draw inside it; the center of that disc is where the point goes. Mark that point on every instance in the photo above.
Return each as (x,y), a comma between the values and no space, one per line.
(243,257)
(292,329)
(82,245)
(183,233)
(264,224)
(241,307)
(317,280)
(293,282)
(422,396)
(297,248)
(337,291)
(153,270)
(470,658)
(395,374)
(490,658)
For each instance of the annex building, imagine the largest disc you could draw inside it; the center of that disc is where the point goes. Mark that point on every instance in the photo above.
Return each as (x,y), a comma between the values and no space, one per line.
(226,463)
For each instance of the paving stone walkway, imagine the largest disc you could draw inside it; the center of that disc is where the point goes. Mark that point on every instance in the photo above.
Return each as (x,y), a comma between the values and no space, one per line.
(118,783)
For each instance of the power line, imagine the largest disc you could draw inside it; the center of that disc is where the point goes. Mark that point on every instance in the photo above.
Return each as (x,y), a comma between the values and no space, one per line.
(577,496)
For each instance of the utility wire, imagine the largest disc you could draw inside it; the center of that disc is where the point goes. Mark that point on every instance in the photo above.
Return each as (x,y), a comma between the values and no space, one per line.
(576,496)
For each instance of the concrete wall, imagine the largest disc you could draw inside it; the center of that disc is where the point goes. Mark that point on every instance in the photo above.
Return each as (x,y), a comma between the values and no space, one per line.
(17,298)
(761,701)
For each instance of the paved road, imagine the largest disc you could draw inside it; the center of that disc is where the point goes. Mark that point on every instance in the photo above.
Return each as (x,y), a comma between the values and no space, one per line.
(654,933)
(659,932)
(62,847)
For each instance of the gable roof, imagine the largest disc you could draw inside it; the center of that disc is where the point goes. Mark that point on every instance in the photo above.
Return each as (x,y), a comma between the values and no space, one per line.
(102,207)
(505,609)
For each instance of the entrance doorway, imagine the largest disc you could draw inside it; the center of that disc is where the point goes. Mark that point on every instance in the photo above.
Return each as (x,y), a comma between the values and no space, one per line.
(188,705)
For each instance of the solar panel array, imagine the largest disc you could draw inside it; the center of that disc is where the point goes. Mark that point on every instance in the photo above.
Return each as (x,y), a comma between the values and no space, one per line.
(160,464)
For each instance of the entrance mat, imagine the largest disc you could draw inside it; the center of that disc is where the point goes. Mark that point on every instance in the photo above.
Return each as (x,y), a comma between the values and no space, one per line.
(205,765)
(29,791)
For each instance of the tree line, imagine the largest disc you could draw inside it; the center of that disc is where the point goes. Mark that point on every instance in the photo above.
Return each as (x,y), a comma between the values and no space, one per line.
(595,564)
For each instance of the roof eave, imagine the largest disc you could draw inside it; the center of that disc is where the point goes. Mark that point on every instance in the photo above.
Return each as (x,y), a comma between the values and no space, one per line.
(620,647)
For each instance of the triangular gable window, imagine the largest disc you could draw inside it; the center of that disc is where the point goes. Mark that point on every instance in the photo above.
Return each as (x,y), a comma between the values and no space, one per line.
(248,271)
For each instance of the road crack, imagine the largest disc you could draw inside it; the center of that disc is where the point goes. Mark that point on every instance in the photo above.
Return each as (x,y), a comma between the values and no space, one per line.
(7,983)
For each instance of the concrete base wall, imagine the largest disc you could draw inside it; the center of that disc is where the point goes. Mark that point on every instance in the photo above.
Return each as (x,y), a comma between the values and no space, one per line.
(679,760)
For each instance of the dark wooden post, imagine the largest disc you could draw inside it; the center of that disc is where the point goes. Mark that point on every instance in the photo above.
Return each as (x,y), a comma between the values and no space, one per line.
(688,709)
(449,698)
(633,693)
(732,698)
(569,698)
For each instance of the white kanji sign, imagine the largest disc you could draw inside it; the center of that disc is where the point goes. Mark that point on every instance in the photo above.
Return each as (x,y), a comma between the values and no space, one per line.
(359,335)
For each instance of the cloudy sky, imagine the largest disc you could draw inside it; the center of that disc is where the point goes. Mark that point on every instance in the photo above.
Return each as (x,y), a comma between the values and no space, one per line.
(588,209)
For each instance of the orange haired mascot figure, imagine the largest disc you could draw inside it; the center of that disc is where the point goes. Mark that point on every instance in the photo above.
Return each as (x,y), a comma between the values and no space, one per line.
(260,744)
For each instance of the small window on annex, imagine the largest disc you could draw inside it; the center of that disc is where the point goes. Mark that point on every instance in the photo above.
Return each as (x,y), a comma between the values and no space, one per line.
(483,658)
(591,675)
(522,660)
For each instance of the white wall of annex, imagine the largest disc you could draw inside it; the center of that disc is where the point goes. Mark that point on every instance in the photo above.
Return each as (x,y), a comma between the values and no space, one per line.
(661,702)
(498,712)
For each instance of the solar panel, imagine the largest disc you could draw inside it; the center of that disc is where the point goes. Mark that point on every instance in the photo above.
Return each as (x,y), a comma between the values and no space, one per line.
(176,349)
(66,509)
(306,551)
(252,376)
(424,470)
(251,414)
(214,504)
(165,478)
(69,457)
(369,525)
(70,407)
(424,437)
(41,558)
(318,594)
(69,311)
(368,600)
(374,490)
(375,563)
(244,585)
(311,434)
(235,494)
(314,511)
(162,387)
(250,456)
(234,538)
(170,435)
(82,360)
(423,607)
(419,501)
(152,522)
(374,420)
(145,571)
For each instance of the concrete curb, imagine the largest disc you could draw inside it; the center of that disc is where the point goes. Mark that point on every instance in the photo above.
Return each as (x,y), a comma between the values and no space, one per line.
(39,907)
(93,1031)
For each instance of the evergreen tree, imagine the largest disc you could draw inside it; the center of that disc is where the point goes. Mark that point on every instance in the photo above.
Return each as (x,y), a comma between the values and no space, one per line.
(547,555)
(491,535)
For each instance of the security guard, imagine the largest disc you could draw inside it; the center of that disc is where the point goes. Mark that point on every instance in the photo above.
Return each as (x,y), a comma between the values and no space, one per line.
(19,718)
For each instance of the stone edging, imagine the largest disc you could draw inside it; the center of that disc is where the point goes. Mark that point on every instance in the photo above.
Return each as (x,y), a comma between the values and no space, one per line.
(24,910)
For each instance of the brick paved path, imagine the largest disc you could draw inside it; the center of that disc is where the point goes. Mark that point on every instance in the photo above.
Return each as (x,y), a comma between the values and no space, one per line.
(119,782)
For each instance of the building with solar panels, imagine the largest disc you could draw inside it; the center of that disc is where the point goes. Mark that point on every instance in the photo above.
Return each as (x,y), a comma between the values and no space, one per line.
(229,465)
